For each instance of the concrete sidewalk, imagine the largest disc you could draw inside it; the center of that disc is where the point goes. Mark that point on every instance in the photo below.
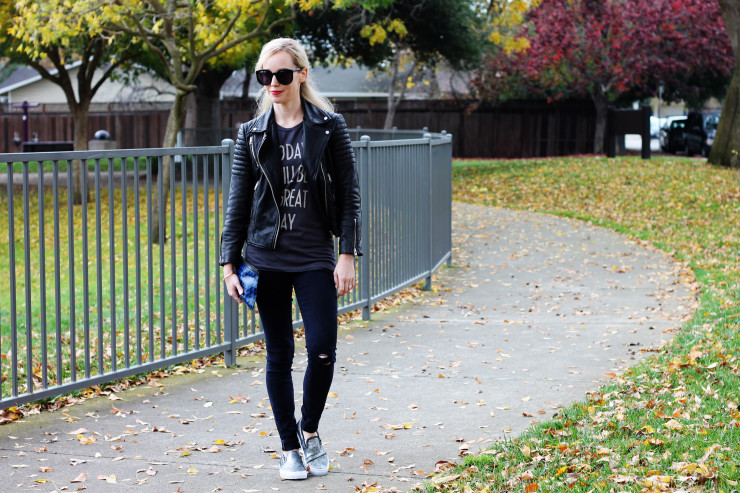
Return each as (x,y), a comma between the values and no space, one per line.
(535,311)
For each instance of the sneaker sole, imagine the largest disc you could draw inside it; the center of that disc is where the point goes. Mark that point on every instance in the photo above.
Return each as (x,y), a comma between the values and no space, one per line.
(317,472)
(294,475)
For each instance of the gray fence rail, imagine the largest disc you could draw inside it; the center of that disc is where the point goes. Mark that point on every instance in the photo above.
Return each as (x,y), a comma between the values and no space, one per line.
(90,298)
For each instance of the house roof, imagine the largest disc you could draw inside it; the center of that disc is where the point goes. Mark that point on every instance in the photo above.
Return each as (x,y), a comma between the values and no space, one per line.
(353,82)
(27,83)
(333,82)
(24,76)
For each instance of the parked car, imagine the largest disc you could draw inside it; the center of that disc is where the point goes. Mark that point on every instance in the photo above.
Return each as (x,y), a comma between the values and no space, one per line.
(672,135)
(701,127)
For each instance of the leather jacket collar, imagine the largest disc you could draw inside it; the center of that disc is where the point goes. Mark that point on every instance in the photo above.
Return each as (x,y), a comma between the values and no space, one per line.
(311,114)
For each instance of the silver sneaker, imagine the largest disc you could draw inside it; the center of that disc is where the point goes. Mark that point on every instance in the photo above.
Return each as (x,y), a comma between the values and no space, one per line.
(291,466)
(314,456)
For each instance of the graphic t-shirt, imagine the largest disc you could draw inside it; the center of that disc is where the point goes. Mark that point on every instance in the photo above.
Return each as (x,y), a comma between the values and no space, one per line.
(303,243)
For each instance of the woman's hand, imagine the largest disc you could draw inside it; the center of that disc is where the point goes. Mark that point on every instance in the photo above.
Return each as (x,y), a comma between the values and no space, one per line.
(344,274)
(233,286)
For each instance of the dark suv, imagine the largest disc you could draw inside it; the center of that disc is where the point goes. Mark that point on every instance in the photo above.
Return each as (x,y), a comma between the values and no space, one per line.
(699,132)
(672,136)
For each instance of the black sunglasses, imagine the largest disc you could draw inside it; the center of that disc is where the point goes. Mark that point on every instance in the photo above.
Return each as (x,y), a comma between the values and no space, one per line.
(284,76)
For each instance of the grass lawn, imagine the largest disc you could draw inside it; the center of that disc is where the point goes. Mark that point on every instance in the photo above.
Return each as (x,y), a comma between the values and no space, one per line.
(671,423)
(145,325)
(33,167)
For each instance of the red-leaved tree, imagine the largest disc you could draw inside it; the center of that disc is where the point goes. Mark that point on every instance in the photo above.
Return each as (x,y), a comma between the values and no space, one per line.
(609,50)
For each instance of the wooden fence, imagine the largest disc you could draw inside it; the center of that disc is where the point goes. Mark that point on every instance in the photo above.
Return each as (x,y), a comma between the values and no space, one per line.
(510,130)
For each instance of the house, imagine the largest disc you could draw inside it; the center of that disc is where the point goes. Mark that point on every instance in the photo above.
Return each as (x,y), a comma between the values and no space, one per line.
(25,84)
(334,82)
(355,82)
(135,114)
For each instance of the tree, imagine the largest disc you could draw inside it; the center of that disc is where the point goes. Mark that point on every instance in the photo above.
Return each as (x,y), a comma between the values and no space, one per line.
(609,50)
(204,104)
(187,37)
(49,36)
(399,38)
(184,37)
(727,139)
(504,20)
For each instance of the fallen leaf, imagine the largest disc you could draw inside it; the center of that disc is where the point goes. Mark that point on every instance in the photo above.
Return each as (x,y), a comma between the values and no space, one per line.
(445,479)
(108,479)
(87,440)
(674,425)
(81,478)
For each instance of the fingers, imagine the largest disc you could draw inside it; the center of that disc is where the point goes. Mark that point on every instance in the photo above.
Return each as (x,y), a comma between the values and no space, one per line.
(234,288)
(344,285)
(344,274)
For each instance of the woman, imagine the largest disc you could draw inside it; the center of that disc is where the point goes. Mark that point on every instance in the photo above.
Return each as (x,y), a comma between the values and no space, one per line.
(293,186)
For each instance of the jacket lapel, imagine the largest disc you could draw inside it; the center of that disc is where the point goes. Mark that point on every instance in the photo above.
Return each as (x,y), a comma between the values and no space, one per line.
(316,133)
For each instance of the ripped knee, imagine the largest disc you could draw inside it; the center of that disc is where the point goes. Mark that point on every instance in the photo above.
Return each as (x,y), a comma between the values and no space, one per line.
(324,359)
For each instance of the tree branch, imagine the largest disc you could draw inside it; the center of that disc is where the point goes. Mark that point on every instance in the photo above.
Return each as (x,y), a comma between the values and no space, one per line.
(61,79)
(257,32)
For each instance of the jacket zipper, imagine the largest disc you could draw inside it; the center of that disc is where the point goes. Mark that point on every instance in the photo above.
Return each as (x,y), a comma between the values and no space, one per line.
(355,238)
(269,183)
(324,174)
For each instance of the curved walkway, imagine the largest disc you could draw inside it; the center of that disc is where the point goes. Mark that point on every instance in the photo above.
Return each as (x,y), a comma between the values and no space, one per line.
(535,311)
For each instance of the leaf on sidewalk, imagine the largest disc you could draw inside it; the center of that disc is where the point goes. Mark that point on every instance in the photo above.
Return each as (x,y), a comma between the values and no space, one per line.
(81,478)
(108,479)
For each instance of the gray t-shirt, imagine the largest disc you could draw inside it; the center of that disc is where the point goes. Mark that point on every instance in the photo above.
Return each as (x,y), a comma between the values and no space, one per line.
(303,243)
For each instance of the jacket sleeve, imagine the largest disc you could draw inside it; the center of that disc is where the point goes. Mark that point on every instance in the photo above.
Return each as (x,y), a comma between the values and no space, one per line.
(239,205)
(346,189)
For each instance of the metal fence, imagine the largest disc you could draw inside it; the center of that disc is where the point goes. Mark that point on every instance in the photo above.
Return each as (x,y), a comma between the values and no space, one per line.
(90,299)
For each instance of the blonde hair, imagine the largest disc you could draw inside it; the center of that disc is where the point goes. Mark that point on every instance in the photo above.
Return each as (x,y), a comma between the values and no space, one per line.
(308,92)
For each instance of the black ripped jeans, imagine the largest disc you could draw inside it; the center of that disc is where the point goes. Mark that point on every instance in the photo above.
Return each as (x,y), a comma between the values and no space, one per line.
(317,300)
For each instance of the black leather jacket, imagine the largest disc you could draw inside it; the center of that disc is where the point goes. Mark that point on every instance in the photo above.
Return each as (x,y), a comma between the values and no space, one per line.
(252,213)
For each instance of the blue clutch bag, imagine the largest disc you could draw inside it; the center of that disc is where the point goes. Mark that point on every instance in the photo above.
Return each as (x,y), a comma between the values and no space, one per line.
(248,277)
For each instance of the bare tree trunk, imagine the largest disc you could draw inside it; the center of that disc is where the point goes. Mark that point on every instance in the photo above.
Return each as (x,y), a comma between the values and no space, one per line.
(726,144)
(393,100)
(79,115)
(392,105)
(602,112)
(204,107)
(170,140)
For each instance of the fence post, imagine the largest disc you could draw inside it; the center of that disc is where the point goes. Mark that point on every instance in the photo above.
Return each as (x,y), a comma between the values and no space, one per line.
(430,249)
(611,145)
(448,137)
(647,112)
(365,200)
(230,308)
